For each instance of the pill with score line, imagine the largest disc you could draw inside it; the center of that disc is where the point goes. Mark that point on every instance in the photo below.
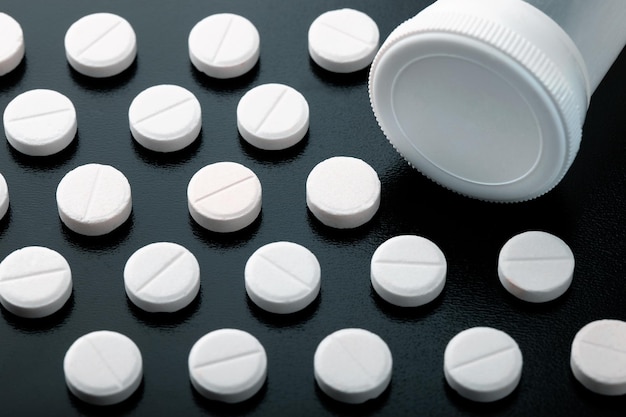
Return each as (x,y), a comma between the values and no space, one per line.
(536,266)
(35,282)
(11,44)
(224,45)
(40,122)
(103,367)
(353,365)
(4,197)
(483,364)
(282,277)
(227,365)
(94,199)
(162,277)
(343,40)
(408,271)
(165,118)
(224,197)
(598,357)
(100,45)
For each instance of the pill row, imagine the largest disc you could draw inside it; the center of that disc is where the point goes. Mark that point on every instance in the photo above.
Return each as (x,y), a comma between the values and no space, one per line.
(222,45)
(284,277)
(350,365)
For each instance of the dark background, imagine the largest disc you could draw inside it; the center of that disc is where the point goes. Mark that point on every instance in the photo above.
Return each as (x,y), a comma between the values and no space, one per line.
(586,210)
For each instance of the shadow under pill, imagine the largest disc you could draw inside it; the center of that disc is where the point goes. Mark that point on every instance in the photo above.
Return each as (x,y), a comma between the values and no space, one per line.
(45,163)
(406,314)
(126,407)
(368,408)
(350,79)
(465,405)
(219,408)
(40,325)
(105,84)
(273,158)
(102,243)
(280,321)
(231,240)
(5,221)
(340,237)
(596,401)
(168,159)
(166,320)
(227,85)
(13,78)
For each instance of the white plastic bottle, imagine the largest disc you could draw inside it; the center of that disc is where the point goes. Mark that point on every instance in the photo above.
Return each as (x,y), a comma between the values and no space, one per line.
(488,97)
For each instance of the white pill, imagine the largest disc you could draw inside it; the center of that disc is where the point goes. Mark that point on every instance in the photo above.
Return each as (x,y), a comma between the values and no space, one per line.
(100,45)
(282,277)
(224,45)
(40,122)
(11,44)
(94,199)
(343,41)
(4,197)
(162,277)
(273,116)
(482,364)
(34,282)
(353,365)
(227,365)
(165,118)
(598,358)
(536,266)
(103,367)
(224,197)
(343,192)
(408,271)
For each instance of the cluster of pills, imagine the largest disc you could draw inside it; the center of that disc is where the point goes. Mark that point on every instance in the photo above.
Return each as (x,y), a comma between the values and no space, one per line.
(350,365)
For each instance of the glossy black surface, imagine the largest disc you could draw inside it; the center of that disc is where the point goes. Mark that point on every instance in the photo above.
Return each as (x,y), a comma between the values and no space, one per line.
(587,210)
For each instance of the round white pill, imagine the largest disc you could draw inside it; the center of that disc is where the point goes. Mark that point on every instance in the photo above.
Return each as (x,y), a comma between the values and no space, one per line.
(34,282)
(162,277)
(11,44)
(227,365)
(344,40)
(100,45)
(40,122)
(165,118)
(94,199)
(343,192)
(598,358)
(4,197)
(536,266)
(273,116)
(408,271)
(482,364)
(103,367)
(224,197)
(224,45)
(353,365)
(282,277)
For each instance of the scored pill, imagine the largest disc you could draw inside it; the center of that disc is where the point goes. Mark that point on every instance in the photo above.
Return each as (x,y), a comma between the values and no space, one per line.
(34,282)
(598,357)
(100,45)
(408,271)
(162,277)
(353,365)
(227,365)
(103,367)
(165,118)
(11,44)
(282,277)
(224,197)
(343,41)
(40,122)
(482,364)
(536,266)
(224,45)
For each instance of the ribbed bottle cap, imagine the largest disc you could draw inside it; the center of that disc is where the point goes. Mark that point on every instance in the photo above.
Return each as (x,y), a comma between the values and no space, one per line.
(486,97)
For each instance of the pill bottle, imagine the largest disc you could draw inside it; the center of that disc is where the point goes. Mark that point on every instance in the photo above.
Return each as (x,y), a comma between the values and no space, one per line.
(488,97)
